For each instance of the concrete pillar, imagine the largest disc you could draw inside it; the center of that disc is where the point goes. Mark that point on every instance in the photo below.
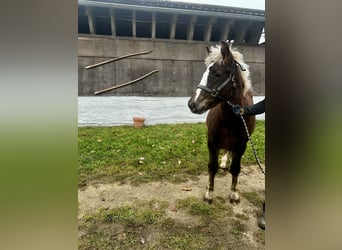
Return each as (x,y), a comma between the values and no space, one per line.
(255,32)
(134,23)
(173,26)
(225,30)
(91,20)
(208,28)
(153,29)
(112,22)
(191,28)
(241,31)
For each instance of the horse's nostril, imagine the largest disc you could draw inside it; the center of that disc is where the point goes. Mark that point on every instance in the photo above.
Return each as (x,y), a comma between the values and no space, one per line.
(191,105)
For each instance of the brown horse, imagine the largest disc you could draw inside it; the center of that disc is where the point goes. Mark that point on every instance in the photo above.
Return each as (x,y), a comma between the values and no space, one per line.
(224,83)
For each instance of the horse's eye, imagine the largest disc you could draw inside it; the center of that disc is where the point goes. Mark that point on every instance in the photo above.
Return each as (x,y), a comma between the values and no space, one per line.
(214,72)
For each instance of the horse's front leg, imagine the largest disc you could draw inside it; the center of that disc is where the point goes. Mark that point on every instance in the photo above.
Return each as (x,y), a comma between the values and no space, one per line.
(235,171)
(212,170)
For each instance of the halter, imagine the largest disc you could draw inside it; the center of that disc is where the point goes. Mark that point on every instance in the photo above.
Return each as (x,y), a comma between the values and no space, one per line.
(216,91)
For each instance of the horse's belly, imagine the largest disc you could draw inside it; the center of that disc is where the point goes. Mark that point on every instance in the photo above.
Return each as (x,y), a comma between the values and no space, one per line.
(232,140)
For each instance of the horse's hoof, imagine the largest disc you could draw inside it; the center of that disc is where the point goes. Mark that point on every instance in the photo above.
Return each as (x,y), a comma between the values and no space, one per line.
(234,198)
(261,222)
(234,202)
(208,201)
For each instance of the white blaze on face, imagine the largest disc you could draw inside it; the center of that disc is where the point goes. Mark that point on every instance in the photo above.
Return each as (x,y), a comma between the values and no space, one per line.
(203,81)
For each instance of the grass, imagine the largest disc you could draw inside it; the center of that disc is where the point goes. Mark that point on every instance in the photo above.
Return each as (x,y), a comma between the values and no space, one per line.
(196,206)
(146,225)
(161,152)
(140,214)
(253,197)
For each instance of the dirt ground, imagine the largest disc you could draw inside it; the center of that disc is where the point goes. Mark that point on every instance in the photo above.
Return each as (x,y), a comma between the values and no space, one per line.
(251,180)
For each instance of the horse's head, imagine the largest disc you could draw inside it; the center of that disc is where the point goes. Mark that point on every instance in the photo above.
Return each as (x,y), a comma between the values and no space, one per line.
(221,80)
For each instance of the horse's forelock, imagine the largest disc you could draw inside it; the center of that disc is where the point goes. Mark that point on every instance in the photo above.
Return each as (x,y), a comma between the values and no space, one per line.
(216,57)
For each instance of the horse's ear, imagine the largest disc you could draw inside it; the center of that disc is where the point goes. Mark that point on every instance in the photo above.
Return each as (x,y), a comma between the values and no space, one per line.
(208,50)
(226,54)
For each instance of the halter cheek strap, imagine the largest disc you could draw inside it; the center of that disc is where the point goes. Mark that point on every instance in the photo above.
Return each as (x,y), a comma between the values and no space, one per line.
(215,92)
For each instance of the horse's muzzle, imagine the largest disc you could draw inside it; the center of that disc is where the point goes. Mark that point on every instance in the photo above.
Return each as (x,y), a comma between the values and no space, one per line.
(192,106)
(195,108)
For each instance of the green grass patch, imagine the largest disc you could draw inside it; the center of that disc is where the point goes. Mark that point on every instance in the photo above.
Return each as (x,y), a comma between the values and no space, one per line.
(243,217)
(237,227)
(138,215)
(161,152)
(184,240)
(121,227)
(254,198)
(196,206)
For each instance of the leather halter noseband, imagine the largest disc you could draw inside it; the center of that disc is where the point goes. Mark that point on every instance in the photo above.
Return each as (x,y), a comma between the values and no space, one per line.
(216,91)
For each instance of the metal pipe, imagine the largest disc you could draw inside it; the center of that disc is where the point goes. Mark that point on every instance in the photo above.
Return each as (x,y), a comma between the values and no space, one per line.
(127,83)
(117,58)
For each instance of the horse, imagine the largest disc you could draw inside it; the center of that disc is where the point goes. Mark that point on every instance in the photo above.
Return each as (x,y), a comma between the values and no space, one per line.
(224,83)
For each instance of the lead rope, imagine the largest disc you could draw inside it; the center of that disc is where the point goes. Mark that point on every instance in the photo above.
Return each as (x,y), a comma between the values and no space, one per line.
(250,140)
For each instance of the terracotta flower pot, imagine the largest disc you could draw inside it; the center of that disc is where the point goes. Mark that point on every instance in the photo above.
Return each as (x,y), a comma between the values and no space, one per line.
(138,122)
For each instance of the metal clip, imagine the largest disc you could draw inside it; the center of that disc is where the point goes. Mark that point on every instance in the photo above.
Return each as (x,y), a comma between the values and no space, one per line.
(214,93)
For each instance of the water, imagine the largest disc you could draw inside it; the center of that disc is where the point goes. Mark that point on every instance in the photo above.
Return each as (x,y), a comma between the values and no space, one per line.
(119,110)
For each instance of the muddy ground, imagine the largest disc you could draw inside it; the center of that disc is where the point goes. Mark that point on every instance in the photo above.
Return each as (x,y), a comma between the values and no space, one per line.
(232,227)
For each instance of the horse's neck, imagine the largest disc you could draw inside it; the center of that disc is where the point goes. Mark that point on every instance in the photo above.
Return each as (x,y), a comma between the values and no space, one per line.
(237,98)
(226,109)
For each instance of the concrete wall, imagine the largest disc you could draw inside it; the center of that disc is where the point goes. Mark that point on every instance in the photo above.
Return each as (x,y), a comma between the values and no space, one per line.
(180,65)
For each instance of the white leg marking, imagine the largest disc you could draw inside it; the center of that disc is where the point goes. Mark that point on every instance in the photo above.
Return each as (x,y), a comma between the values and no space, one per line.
(226,158)
(234,197)
(208,194)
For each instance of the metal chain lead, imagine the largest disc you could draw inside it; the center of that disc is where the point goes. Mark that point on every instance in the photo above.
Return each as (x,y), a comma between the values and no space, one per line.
(252,144)
(250,140)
